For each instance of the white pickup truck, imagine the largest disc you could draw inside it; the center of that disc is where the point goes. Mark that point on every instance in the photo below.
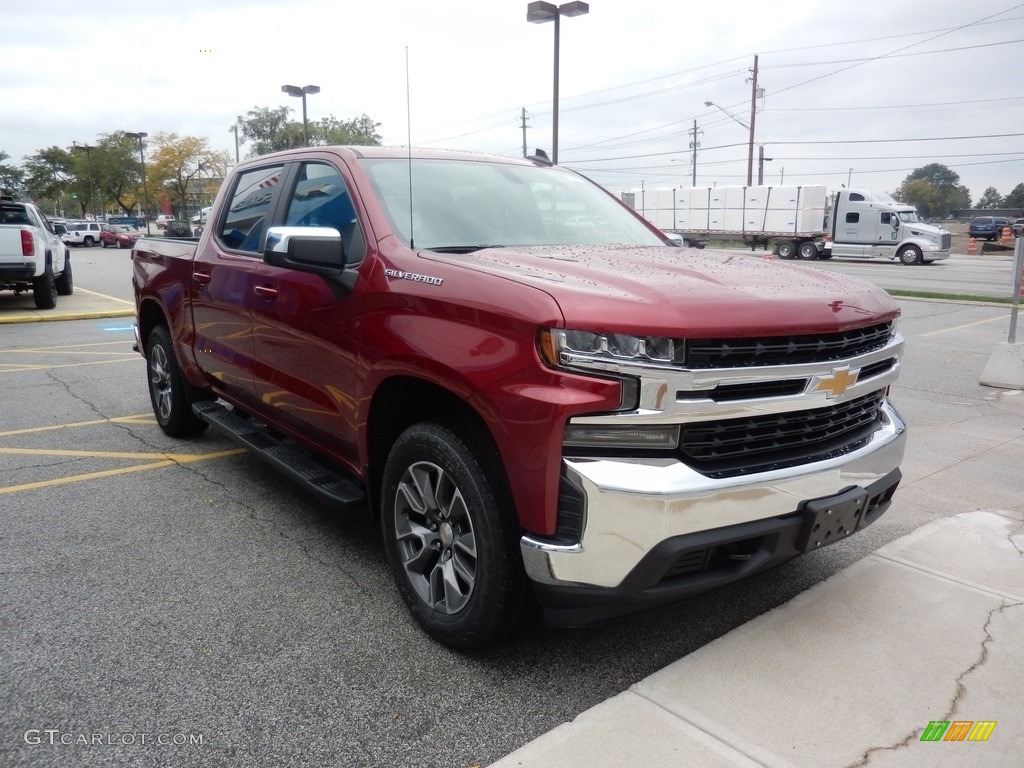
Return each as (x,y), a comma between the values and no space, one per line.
(32,256)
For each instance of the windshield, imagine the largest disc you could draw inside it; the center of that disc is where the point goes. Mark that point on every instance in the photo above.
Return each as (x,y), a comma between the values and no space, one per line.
(910,217)
(466,204)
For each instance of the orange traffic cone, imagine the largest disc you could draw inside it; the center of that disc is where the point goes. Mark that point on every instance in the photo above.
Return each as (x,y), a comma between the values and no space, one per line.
(972,246)
(1005,238)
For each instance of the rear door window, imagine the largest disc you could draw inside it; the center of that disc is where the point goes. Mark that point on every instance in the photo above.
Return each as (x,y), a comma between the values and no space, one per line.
(243,227)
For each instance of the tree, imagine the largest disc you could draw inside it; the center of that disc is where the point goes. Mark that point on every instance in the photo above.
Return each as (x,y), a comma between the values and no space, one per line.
(182,167)
(10,176)
(990,198)
(934,190)
(1016,197)
(330,130)
(270,130)
(48,175)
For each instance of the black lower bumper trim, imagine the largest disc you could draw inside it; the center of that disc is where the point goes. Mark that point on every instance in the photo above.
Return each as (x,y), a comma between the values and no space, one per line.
(694,563)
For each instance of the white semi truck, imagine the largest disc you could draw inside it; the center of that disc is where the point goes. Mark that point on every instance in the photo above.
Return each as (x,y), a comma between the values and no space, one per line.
(797,221)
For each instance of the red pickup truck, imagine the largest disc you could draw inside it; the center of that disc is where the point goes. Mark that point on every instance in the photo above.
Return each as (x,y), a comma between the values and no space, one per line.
(525,403)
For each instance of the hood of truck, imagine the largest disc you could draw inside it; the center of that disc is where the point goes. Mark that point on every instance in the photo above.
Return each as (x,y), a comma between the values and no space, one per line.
(659,290)
(929,231)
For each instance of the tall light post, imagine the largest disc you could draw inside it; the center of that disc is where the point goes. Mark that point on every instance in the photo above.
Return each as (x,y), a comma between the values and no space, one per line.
(294,90)
(761,160)
(539,13)
(849,177)
(234,129)
(750,130)
(88,159)
(145,191)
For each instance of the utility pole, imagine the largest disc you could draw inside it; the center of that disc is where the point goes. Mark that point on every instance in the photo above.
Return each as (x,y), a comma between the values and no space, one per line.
(753,115)
(693,146)
(523,126)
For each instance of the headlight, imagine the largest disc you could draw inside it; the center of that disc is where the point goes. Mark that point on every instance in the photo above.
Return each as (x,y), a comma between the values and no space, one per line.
(563,347)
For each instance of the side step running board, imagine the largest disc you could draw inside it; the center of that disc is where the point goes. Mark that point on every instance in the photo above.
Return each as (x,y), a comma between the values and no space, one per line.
(331,486)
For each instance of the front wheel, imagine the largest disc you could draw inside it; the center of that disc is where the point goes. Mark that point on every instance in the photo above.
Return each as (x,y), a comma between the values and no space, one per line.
(451,535)
(911,255)
(168,390)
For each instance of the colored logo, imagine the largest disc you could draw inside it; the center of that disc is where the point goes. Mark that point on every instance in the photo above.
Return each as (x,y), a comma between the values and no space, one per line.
(837,382)
(958,730)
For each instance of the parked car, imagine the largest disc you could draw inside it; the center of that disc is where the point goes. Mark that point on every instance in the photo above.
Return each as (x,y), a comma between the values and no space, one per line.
(85,233)
(163,220)
(178,229)
(200,218)
(119,235)
(987,227)
(1018,227)
(32,257)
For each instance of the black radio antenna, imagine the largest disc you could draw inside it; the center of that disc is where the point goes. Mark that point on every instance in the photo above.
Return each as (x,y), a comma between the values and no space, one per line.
(408,127)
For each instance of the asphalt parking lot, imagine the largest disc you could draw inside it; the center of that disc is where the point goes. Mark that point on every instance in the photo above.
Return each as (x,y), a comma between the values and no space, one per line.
(173,603)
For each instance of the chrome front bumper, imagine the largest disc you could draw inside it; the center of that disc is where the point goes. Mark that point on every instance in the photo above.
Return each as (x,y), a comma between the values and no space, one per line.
(633,505)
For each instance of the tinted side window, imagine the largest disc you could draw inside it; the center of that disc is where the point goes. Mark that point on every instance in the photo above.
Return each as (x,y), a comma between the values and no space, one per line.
(321,199)
(852,217)
(244,225)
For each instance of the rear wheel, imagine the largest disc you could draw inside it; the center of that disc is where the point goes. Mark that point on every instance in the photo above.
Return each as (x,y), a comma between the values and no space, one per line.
(168,390)
(66,282)
(808,251)
(787,249)
(88,242)
(44,291)
(911,254)
(451,535)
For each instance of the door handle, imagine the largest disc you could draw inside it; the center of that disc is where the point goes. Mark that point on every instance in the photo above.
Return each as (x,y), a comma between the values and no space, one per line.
(201,277)
(266,292)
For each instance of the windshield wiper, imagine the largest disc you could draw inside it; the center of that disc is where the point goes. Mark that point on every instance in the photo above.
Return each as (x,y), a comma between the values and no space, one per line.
(460,248)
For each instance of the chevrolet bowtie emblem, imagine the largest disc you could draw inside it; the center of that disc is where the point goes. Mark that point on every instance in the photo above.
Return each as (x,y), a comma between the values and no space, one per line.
(836,382)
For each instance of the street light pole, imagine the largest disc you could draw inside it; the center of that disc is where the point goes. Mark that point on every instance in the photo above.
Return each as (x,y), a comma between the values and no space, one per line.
(294,90)
(849,177)
(88,159)
(234,130)
(538,13)
(145,192)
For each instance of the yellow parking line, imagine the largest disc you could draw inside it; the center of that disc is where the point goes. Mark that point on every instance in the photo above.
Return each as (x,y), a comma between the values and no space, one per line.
(182,458)
(112,472)
(104,296)
(138,418)
(72,346)
(70,365)
(966,325)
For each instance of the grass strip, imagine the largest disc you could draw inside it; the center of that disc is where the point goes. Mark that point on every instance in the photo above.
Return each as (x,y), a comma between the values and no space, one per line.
(949,296)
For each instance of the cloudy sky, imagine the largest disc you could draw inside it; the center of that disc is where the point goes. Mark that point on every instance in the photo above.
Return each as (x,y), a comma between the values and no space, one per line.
(862,92)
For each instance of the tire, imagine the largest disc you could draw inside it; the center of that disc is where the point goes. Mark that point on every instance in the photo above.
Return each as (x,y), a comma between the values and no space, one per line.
(787,249)
(451,535)
(88,242)
(911,255)
(168,391)
(825,254)
(66,282)
(808,251)
(44,291)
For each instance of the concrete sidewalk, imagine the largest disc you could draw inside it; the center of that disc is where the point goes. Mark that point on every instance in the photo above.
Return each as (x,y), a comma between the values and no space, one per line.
(83,304)
(849,673)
